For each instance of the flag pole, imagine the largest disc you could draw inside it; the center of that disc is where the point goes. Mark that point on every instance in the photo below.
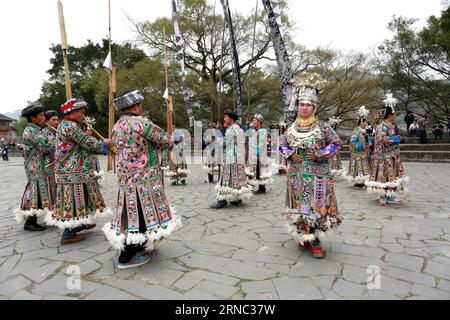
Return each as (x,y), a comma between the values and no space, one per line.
(112,91)
(65,48)
(169,98)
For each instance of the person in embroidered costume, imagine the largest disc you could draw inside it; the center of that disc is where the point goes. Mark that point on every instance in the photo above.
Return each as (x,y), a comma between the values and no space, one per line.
(178,166)
(232,187)
(257,170)
(337,169)
(49,130)
(78,197)
(311,200)
(387,176)
(212,148)
(360,146)
(282,139)
(37,199)
(144,218)
(97,169)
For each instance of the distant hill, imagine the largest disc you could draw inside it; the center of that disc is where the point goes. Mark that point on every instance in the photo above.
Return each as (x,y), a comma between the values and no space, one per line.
(15,114)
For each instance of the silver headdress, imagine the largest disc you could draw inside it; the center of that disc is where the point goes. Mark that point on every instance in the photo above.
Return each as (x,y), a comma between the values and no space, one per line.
(363,112)
(334,120)
(306,87)
(390,101)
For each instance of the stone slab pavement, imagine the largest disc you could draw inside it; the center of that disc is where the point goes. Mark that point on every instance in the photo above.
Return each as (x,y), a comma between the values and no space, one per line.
(398,252)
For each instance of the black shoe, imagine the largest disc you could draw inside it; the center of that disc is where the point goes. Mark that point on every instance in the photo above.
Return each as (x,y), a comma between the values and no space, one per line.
(33,227)
(260,191)
(236,203)
(219,204)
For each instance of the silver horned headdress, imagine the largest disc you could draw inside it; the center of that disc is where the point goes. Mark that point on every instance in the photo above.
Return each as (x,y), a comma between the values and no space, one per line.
(305,89)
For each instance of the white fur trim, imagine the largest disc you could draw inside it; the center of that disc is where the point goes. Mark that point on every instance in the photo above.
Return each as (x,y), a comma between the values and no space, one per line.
(379,188)
(74,223)
(183,171)
(229,194)
(171,174)
(154,239)
(358,179)
(22,216)
(99,174)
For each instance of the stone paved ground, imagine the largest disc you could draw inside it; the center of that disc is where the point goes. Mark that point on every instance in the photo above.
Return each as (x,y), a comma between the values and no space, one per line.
(243,253)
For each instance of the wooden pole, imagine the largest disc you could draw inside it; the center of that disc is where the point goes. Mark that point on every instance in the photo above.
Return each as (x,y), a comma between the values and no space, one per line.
(112,91)
(65,48)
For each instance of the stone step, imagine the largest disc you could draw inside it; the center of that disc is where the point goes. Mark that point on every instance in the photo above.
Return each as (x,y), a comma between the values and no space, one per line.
(415,156)
(414,147)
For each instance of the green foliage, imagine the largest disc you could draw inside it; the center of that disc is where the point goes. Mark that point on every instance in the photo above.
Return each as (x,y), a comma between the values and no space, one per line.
(416,64)
(20,126)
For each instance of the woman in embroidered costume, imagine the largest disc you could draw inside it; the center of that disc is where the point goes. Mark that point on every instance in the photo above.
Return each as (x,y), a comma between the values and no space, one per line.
(232,187)
(257,170)
(178,166)
(360,147)
(388,176)
(78,197)
(311,200)
(37,200)
(144,219)
(212,150)
(51,125)
(337,169)
(282,140)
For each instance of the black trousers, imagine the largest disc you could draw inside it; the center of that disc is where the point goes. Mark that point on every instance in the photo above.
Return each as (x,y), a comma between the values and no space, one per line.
(258,175)
(130,250)
(423,136)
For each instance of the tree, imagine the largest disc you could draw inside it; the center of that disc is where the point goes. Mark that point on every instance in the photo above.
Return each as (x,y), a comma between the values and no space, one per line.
(416,64)
(90,81)
(352,83)
(208,55)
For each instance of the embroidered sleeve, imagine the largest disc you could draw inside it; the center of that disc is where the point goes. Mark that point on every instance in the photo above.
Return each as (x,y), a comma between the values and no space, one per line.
(86,142)
(333,144)
(284,147)
(37,139)
(357,141)
(151,132)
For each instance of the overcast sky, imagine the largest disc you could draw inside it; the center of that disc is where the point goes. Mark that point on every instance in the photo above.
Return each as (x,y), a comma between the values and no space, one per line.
(29,27)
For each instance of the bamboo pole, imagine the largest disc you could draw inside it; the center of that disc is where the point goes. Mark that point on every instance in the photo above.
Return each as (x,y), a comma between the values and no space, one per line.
(51,127)
(65,48)
(112,91)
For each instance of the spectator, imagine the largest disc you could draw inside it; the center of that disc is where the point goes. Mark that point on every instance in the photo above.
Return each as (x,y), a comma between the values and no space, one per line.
(221,128)
(247,125)
(414,129)
(438,130)
(448,123)
(409,119)
(5,151)
(423,129)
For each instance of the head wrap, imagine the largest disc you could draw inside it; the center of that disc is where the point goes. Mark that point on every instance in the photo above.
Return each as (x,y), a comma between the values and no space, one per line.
(51,113)
(72,105)
(128,100)
(32,111)
(258,117)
